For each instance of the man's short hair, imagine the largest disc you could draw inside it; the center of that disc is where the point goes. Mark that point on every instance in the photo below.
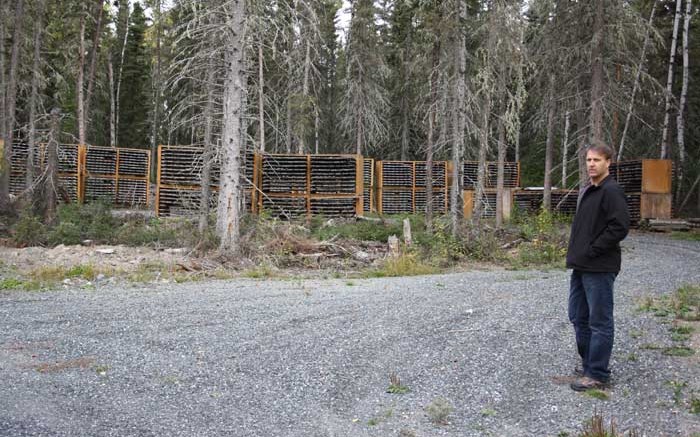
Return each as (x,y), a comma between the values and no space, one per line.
(601,149)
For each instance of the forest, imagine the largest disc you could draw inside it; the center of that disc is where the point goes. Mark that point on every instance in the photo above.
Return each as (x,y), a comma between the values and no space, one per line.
(533,81)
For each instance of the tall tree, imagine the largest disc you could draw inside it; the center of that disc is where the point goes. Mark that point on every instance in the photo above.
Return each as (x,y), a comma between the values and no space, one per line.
(10,108)
(669,83)
(365,101)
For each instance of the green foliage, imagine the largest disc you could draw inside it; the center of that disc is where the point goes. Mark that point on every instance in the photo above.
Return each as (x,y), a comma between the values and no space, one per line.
(75,223)
(597,394)
(678,351)
(28,231)
(688,236)
(439,410)
(596,427)
(355,230)
(684,303)
(17,284)
(406,264)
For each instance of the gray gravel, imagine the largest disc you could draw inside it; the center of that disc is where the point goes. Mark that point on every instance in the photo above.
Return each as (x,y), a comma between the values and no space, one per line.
(313,357)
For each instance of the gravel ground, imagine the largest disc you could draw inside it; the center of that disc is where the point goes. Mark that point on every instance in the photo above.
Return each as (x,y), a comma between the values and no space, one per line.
(314,357)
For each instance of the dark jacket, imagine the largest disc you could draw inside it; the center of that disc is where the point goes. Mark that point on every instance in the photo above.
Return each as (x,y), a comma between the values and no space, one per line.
(601,222)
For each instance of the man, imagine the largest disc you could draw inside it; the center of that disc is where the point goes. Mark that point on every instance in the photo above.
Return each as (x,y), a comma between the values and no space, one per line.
(601,222)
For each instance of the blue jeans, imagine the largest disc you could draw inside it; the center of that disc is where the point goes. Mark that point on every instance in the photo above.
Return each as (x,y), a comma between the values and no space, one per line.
(591,312)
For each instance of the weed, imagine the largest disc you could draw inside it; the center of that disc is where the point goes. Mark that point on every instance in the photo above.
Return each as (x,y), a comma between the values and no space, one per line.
(635,333)
(85,271)
(488,412)
(350,283)
(395,386)
(597,394)
(439,410)
(678,351)
(563,434)
(686,302)
(10,283)
(596,427)
(677,387)
(688,236)
(695,405)
(650,346)
(407,432)
(381,418)
(632,357)
(407,264)
(29,231)
(681,332)
(261,272)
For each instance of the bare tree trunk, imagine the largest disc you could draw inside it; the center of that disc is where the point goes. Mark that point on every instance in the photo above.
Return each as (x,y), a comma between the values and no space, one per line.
(637,76)
(229,209)
(117,93)
(680,122)
(458,125)
(4,12)
(288,141)
(597,75)
(34,99)
(317,127)
(405,141)
(208,154)
(80,79)
(432,119)
(500,172)
(483,149)
(669,83)
(565,149)
(112,105)
(261,99)
(156,86)
(51,179)
(305,95)
(94,56)
(549,148)
(11,103)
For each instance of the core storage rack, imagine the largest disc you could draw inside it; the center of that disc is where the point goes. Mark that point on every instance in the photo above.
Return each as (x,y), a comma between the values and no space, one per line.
(470,175)
(297,185)
(647,184)
(119,176)
(179,180)
(402,186)
(530,201)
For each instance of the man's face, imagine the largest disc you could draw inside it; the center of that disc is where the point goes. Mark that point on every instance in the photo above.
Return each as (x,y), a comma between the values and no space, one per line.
(597,165)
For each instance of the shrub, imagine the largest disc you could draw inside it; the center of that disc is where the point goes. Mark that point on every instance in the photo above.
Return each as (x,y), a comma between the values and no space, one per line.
(439,410)
(29,231)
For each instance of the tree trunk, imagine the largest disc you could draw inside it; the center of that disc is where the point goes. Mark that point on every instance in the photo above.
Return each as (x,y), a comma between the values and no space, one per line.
(4,12)
(305,96)
(34,99)
(117,93)
(597,75)
(261,99)
(500,172)
(51,179)
(80,79)
(458,125)
(483,150)
(637,76)
(94,56)
(669,83)
(208,155)
(156,87)
(11,103)
(112,105)
(680,122)
(228,212)
(432,119)
(549,148)
(565,149)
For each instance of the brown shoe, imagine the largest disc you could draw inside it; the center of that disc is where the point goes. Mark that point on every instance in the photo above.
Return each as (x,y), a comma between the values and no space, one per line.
(587,383)
(578,371)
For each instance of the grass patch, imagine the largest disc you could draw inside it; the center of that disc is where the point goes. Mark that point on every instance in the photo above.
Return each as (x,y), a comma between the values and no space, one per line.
(596,427)
(395,386)
(18,284)
(406,264)
(678,351)
(683,304)
(695,405)
(681,332)
(597,394)
(439,411)
(260,272)
(687,236)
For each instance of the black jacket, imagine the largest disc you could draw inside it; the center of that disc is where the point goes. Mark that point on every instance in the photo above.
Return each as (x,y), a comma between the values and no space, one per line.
(601,222)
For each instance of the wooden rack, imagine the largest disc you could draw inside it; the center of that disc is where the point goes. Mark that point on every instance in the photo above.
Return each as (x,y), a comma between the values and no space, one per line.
(401,187)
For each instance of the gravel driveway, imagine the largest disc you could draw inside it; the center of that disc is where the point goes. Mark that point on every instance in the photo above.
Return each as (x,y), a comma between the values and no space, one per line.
(314,357)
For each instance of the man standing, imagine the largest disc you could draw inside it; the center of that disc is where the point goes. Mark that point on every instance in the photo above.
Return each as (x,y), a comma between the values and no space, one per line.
(601,222)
